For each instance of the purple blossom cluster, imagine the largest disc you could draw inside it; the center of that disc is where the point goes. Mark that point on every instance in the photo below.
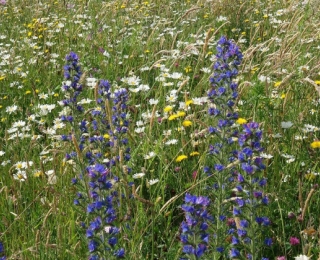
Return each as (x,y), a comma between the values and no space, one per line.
(72,86)
(249,198)
(194,230)
(235,167)
(109,151)
(2,252)
(99,137)
(223,92)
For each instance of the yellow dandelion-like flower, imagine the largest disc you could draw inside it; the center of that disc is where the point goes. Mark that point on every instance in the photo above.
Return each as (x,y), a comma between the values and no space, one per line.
(28,92)
(188,69)
(315,144)
(181,158)
(38,174)
(189,102)
(317,82)
(194,154)
(172,117)
(187,123)
(241,121)
(167,109)
(181,114)
(283,95)
(310,176)
(106,136)
(277,84)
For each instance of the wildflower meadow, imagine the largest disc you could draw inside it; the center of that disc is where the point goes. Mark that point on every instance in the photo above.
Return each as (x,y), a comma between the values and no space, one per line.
(160,129)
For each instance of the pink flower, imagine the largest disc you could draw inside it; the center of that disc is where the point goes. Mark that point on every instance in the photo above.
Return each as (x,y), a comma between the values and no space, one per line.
(294,241)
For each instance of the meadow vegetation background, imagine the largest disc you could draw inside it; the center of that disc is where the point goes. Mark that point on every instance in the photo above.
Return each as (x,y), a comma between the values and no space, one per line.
(162,53)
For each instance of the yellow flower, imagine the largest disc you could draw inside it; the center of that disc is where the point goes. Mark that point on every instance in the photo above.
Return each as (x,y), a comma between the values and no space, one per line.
(277,84)
(167,109)
(28,92)
(106,136)
(315,144)
(2,77)
(181,158)
(189,102)
(283,95)
(194,154)
(187,123)
(181,114)
(317,82)
(38,174)
(241,121)
(310,176)
(172,117)
(188,69)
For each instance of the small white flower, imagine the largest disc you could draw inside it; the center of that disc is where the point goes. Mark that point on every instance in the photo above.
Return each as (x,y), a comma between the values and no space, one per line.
(2,153)
(138,175)
(153,181)
(11,109)
(139,130)
(167,132)
(286,125)
(300,137)
(144,87)
(176,75)
(206,70)
(171,98)
(264,79)
(139,123)
(20,176)
(91,82)
(43,96)
(153,101)
(301,257)
(266,156)
(149,155)
(171,142)
(19,124)
(222,19)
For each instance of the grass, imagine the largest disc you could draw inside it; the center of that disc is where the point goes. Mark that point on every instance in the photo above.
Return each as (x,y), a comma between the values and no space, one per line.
(132,43)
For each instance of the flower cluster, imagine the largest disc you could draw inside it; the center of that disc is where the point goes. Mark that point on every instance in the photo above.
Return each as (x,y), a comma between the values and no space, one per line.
(104,145)
(235,164)
(71,86)
(194,230)
(222,96)
(2,252)
(249,196)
